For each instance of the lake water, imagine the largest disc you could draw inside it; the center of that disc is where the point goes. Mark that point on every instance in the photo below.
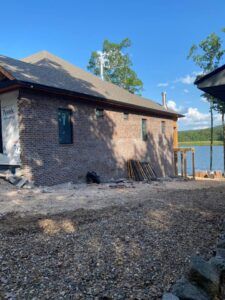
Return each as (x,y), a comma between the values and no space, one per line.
(202,158)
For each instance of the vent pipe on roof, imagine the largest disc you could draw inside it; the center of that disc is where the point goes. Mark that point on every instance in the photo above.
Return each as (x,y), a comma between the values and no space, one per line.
(164,100)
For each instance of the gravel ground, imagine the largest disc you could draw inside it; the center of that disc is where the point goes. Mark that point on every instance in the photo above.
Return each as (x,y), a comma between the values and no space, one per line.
(135,250)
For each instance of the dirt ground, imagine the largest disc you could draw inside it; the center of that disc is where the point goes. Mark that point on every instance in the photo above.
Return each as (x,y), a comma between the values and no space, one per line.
(105,241)
(69,197)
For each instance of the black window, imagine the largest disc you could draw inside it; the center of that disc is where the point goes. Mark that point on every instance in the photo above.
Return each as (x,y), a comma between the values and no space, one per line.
(144,133)
(1,142)
(163,127)
(99,112)
(65,126)
(125,116)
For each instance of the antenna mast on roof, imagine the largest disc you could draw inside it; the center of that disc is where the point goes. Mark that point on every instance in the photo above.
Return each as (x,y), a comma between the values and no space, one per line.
(102,59)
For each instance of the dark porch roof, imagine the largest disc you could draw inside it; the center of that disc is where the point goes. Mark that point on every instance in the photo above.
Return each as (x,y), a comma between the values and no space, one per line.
(213,83)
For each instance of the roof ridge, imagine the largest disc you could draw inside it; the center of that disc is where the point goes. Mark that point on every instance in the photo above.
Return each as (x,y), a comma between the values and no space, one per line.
(36,56)
(89,83)
(44,54)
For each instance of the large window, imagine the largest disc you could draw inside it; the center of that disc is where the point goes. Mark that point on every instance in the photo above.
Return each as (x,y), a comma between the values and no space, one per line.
(144,133)
(65,126)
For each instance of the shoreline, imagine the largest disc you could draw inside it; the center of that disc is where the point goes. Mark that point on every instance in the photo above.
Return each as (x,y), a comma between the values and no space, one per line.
(201,143)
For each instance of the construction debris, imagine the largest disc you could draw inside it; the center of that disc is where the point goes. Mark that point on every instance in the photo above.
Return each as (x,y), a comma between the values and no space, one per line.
(140,171)
(122,183)
(209,174)
(21,182)
(16,179)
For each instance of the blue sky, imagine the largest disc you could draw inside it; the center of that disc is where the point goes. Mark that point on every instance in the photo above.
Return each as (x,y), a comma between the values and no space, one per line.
(161,32)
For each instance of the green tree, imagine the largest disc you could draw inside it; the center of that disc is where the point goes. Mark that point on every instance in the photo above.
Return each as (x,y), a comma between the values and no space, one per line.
(207,55)
(114,64)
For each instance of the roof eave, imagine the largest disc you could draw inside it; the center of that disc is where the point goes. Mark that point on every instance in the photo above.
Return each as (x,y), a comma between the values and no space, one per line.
(208,75)
(9,85)
(7,74)
(13,84)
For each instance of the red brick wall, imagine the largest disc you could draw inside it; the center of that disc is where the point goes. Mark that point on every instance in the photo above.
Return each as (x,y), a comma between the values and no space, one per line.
(101,145)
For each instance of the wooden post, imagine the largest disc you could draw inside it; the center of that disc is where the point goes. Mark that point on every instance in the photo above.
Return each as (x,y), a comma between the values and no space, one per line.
(185,164)
(182,163)
(175,135)
(176,162)
(193,163)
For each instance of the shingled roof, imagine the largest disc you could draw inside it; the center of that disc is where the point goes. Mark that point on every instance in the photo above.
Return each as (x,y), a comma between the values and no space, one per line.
(46,69)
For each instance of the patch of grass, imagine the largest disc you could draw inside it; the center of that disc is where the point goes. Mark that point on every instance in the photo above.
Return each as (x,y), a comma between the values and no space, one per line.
(200,143)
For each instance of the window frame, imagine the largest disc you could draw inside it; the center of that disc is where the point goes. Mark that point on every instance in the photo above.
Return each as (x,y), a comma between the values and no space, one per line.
(70,123)
(125,116)
(144,135)
(97,111)
(163,128)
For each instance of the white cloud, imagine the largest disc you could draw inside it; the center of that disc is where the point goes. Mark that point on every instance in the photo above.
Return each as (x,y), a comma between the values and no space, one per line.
(188,79)
(186,91)
(162,84)
(172,105)
(196,73)
(203,99)
(194,119)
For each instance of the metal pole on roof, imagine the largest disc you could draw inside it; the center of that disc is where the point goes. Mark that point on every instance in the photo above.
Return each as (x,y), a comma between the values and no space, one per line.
(101,63)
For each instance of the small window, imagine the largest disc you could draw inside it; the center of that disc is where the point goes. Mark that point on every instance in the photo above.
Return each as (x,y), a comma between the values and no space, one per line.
(163,127)
(144,130)
(65,126)
(125,116)
(99,113)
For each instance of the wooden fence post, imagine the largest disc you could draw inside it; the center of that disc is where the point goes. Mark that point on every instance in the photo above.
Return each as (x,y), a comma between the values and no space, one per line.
(185,164)
(176,162)
(193,163)
(182,164)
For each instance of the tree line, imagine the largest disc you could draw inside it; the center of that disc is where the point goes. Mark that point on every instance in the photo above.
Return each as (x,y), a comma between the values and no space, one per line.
(201,135)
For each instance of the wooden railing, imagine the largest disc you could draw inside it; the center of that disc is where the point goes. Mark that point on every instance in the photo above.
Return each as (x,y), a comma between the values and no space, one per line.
(183,165)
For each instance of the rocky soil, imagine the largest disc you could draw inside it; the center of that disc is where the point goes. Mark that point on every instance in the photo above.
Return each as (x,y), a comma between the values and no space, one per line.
(133,250)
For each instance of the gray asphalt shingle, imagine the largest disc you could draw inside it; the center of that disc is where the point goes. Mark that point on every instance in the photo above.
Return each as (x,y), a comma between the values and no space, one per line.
(49,70)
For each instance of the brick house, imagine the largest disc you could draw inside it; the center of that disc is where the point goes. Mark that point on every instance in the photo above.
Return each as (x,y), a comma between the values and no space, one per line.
(58,122)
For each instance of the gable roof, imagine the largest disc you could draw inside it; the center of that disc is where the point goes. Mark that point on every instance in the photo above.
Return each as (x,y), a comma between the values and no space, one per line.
(48,70)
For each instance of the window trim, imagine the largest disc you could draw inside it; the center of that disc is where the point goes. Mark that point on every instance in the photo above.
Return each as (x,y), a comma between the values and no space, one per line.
(71,125)
(144,137)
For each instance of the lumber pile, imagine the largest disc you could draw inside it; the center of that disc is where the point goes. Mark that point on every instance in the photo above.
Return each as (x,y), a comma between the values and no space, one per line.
(140,171)
(209,174)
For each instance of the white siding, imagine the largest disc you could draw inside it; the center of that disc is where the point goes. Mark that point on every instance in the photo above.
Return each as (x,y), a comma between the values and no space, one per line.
(10,129)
